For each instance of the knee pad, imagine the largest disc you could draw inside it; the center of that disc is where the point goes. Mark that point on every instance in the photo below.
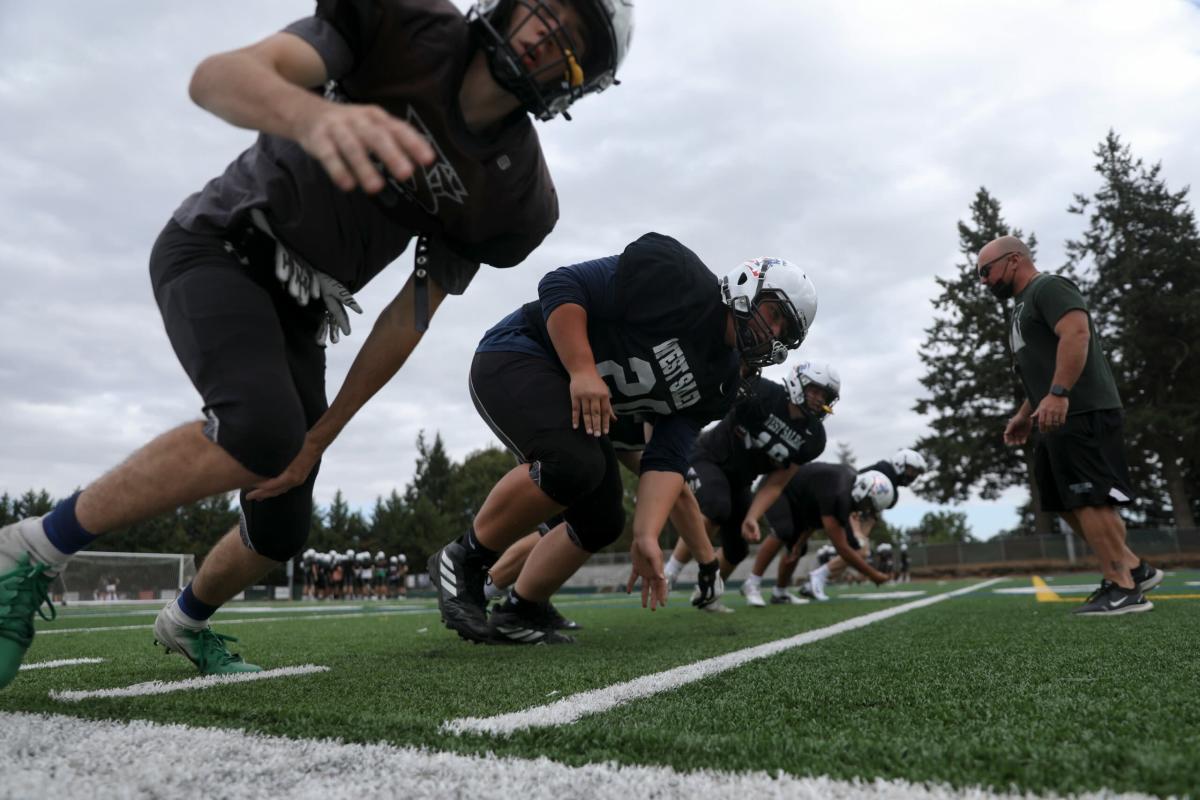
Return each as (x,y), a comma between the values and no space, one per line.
(568,465)
(264,443)
(277,528)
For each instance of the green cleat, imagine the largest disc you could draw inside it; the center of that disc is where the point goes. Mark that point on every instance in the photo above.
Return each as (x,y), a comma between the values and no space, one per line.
(23,590)
(203,647)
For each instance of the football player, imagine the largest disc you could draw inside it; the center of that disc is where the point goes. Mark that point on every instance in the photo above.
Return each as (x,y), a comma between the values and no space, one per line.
(381,121)
(652,332)
(828,497)
(904,467)
(771,433)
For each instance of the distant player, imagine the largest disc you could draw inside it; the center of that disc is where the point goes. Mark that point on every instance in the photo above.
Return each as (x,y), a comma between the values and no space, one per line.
(821,497)
(649,331)
(771,433)
(903,575)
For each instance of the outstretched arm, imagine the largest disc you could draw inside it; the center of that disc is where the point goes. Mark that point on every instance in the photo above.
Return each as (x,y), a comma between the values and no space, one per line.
(265,87)
(385,350)
(837,536)
(768,492)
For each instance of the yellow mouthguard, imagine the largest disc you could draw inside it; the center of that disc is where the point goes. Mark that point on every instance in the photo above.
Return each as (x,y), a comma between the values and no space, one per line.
(573,72)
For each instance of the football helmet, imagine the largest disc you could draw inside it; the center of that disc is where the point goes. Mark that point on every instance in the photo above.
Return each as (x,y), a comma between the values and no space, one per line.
(811,373)
(380,556)
(403,558)
(909,465)
(872,492)
(884,547)
(747,286)
(393,560)
(548,89)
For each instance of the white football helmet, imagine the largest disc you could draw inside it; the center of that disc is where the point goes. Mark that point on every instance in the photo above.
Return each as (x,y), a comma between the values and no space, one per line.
(884,547)
(872,492)
(547,90)
(380,556)
(403,558)
(812,373)
(393,560)
(909,465)
(747,286)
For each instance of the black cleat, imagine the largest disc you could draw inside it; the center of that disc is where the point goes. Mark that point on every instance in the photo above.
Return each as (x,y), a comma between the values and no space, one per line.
(509,626)
(458,580)
(1146,577)
(561,622)
(1111,600)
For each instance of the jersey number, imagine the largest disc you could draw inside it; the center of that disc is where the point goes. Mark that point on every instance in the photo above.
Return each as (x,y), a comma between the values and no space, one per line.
(634,390)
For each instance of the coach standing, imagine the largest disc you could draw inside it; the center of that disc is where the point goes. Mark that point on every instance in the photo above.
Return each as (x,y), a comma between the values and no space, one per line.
(1079,457)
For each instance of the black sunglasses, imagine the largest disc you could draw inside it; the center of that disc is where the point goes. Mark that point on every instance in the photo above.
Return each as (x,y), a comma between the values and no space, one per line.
(986,269)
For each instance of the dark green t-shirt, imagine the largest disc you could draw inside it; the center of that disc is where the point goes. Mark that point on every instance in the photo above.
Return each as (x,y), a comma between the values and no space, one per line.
(1038,309)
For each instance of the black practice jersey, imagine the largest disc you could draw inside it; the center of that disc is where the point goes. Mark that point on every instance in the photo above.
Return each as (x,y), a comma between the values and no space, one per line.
(820,490)
(759,435)
(490,199)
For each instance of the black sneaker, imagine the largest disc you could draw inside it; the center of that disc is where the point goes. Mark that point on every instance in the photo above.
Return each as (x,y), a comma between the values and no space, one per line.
(1146,577)
(1101,589)
(561,622)
(1112,600)
(458,580)
(510,626)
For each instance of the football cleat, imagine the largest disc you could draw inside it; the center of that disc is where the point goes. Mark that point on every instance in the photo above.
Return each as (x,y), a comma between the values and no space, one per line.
(816,583)
(458,580)
(753,595)
(510,626)
(204,648)
(786,598)
(24,590)
(561,622)
(716,607)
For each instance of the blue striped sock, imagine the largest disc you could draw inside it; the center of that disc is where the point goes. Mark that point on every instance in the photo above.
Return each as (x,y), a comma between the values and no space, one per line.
(63,528)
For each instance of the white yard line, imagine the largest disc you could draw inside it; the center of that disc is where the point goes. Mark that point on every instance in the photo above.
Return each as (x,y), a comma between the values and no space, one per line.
(166,687)
(573,707)
(901,595)
(62,662)
(221,623)
(59,756)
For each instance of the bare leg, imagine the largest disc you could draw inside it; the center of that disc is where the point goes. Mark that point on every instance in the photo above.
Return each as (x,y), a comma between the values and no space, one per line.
(515,506)
(505,571)
(181,466)
(554,559)
(228,569)
(1104,530)
(770,546)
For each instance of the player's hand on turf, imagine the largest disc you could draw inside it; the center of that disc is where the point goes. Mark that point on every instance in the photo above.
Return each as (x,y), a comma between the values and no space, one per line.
(1051,413)
(296,473)
(590,402)
(1017,430)
(343,137)
(750,530)
(648,565)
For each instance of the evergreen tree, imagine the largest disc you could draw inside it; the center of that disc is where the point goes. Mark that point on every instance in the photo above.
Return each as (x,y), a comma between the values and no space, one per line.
(972,387)
(845,455)
(1141,257)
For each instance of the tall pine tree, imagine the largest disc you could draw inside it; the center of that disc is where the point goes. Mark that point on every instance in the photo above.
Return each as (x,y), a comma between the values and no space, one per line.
(1141,258)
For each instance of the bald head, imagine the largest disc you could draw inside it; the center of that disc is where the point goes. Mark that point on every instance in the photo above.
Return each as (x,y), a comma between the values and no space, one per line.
(1004,244)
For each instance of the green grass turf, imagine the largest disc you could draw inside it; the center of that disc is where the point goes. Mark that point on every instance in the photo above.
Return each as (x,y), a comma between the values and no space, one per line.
(981,689)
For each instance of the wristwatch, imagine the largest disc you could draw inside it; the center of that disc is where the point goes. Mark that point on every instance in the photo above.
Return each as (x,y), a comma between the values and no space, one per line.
(1058,390)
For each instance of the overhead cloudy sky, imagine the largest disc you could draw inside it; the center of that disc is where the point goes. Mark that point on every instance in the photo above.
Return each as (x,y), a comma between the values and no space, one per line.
(847,136)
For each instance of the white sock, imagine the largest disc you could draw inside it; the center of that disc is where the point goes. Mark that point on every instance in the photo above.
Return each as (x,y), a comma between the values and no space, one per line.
(823,569)
(674,566)
(780,591)
(753,580)
(33,539)
(176,616)
(491,591)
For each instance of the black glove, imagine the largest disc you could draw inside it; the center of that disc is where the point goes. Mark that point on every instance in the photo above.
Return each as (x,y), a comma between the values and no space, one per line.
(709,586)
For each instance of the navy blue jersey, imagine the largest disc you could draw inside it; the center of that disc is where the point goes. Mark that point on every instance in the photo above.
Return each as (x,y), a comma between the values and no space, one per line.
(759,435)
(490,200)
(820,490)
(657,327)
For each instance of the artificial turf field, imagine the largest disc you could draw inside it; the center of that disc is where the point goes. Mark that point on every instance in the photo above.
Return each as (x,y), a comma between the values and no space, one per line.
(990,688)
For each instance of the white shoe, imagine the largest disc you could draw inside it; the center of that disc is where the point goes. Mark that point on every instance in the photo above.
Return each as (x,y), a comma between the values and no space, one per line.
(716,608)
(787,599)
(753,595)
(816,582)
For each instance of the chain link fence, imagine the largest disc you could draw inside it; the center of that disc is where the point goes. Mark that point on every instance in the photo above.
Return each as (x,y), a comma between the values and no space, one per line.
(1179,546)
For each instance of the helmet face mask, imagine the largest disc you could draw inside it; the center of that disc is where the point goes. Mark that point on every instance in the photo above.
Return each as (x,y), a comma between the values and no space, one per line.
(811,373)
(584,64)
(753,286)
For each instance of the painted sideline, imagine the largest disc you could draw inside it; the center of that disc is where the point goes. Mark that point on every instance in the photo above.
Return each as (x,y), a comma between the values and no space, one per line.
(59,756)
(573,707)
(221,623)
(166,687)
(62,662)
